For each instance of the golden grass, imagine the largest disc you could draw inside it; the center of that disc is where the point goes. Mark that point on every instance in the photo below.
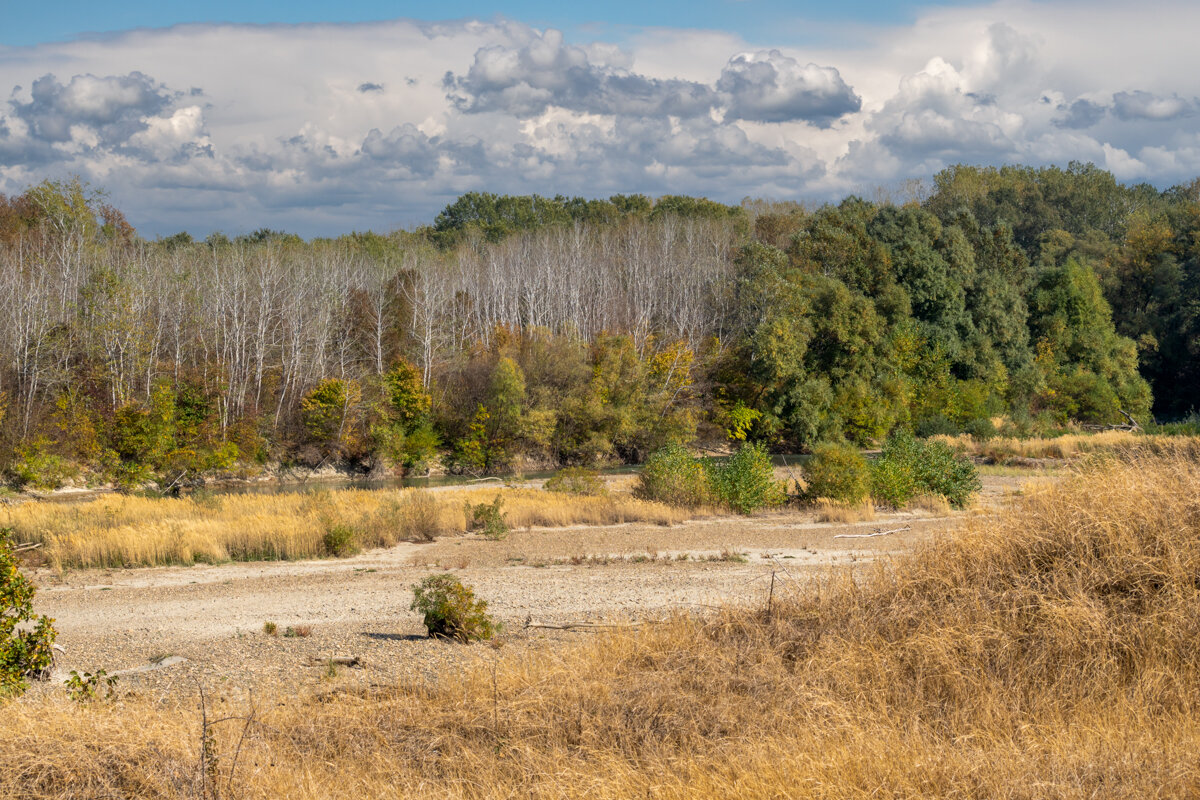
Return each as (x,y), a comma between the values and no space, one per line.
(120,530)
(1001,450)
(1044,652)
(830,511)
(933,503)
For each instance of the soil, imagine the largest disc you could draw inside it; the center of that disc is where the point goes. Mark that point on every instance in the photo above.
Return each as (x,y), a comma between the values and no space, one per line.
(212,617)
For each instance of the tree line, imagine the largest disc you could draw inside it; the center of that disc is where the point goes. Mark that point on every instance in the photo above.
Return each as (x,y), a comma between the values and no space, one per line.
(522,331)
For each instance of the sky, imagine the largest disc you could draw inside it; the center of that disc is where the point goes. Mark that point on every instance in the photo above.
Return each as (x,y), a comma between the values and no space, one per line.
(374,115)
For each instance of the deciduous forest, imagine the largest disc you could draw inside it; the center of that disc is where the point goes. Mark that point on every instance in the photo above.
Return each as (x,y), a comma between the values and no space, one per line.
(516,332)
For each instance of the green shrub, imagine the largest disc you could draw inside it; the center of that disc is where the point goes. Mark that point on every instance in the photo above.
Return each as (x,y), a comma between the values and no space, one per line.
(577,481)
(449,609)
(673,477)
(87,687)
(488,519)
(25,652)
(980,430)
(340,541)
(837,472)
(909,467)
(34,467)
(746,481)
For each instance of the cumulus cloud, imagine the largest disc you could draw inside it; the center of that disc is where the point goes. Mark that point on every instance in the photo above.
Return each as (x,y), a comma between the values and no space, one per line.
(302,141)
(545,71)
(768,86)
(113,106)
(1147,105)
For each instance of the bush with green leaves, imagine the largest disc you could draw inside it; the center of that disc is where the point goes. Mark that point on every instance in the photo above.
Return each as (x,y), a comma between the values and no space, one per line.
(909,467)
(837,472)
(672,476)
(449,609)
(24,651)
(340,541)
(488,519)
(576,481)
(746,480)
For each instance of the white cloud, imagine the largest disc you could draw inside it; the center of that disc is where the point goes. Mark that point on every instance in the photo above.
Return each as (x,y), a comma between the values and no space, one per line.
(326,128)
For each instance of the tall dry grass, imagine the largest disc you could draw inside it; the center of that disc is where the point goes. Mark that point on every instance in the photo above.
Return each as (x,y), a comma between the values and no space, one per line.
(120,530)
(1000,450)
(1045,652)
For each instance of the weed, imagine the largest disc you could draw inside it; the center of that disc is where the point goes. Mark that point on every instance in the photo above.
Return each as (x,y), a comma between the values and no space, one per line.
(90,686)
(270,629)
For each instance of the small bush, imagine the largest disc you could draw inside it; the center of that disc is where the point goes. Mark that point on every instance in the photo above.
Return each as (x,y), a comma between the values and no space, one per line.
(419,516)
(673,477)
(577,481)
(909,467)
(449,609)
(488,519)
(270,628)
(837,472)
(340,541)
(981,430)
(746,482)
(298,632)
(90,686)
(25,652)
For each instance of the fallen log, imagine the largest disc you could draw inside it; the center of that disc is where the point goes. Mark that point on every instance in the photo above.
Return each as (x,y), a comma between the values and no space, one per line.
(162,663)
(870,535)
(530,622)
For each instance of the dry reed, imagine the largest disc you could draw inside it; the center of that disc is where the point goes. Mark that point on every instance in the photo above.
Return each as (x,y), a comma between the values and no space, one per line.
(1047,651)
(120,530)
(830,511)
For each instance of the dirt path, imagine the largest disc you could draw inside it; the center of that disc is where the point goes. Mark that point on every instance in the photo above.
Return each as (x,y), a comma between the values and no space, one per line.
(213,616)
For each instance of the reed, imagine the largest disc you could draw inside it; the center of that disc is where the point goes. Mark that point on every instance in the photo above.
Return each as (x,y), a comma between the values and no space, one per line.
(121,530)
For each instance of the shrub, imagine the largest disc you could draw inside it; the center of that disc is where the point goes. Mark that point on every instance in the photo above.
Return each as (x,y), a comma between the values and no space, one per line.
(339,541)
(25,652)
(909,467)
(577,481)
(837,472)
(488,519)
(87,687)
(270,629)
(672,476)
(746,482)
(36,468)
(449,609)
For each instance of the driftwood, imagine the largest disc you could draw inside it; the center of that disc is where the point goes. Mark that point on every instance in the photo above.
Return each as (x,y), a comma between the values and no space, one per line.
(164,663)
(21,548)
(341,661)
(870,535)
(530,622)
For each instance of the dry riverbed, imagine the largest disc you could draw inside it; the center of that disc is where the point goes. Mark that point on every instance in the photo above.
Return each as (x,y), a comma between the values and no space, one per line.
(212,617)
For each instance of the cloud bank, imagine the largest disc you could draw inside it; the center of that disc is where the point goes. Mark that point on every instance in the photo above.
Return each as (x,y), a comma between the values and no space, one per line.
(323,129)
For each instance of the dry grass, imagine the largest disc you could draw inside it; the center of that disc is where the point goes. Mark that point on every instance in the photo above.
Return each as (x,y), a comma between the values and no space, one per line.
(829,511)
(1045,652)
(118,530)
(1002,450)
(933,503)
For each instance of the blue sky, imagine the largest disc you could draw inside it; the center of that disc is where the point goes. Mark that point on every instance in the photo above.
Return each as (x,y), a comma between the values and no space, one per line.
(376,115)
(34,23)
